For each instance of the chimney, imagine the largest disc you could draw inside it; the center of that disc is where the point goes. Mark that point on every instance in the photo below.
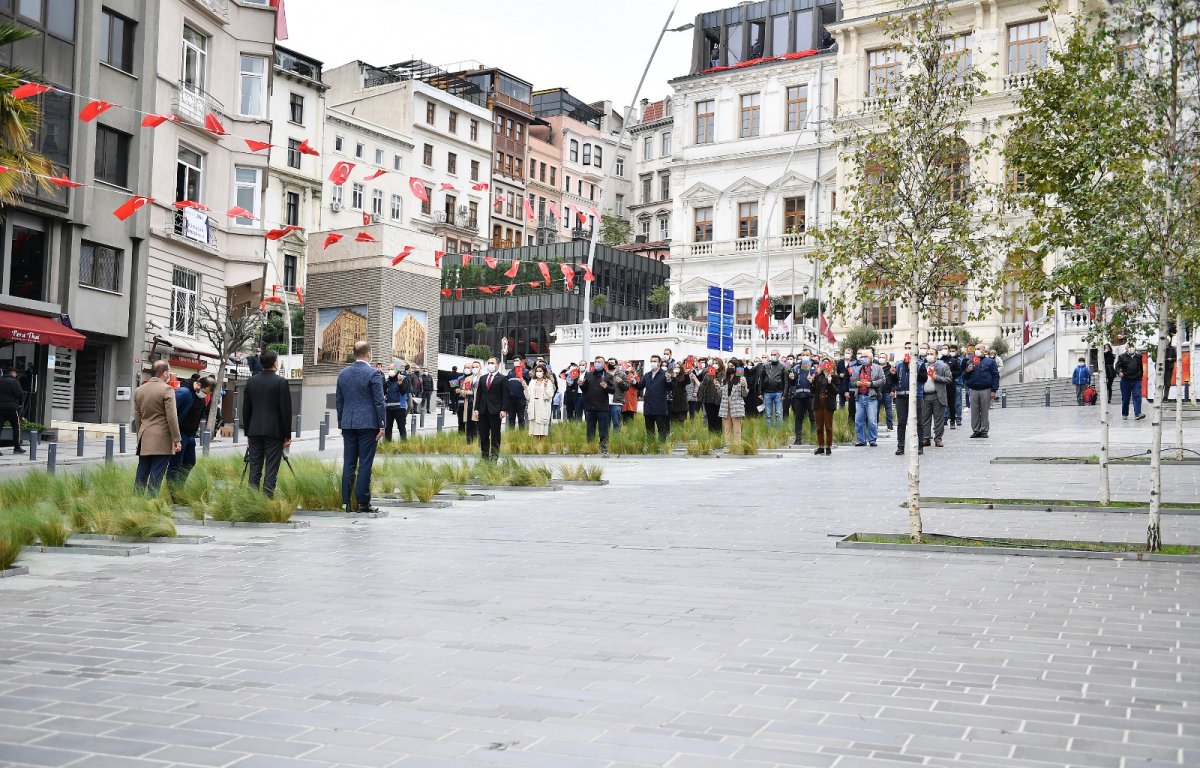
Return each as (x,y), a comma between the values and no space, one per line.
(645,103)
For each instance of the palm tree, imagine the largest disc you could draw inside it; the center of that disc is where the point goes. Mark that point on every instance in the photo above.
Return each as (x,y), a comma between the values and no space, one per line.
(20,120)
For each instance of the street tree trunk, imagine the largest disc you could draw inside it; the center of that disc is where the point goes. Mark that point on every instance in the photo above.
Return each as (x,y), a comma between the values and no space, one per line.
(1178,392)
(217,396)
(1102,402)
(912,442)
(1153,528)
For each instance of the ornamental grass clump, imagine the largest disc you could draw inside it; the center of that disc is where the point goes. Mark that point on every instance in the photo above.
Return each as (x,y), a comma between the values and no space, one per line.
(12,541)
(581,472)
(316,485)
(146,519)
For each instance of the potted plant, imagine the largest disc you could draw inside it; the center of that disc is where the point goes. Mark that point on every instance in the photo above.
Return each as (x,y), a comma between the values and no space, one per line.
(45,434)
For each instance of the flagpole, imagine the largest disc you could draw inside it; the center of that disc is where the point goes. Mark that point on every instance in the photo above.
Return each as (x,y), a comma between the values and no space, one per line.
(591,260)
(1024,336)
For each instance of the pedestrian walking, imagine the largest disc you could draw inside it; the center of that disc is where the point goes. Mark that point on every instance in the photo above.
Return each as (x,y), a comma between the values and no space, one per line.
(1130,370)
(361,413)
(1082,379)
(267,418)
(12,397)
(158,436)
(395,399)
(1110,369)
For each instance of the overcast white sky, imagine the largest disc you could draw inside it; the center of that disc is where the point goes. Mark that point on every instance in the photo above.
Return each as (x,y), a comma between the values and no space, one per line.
(594,48)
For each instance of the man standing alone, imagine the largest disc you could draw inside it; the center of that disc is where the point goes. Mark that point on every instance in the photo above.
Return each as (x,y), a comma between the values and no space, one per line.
(267,415)
(361,412)
(157,428)
(12,395)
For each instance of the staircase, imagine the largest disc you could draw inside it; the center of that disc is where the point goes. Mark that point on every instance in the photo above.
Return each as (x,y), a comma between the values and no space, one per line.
(1032,394)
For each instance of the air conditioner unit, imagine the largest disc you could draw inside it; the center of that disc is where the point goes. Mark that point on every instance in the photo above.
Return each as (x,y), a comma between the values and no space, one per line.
(376,218)
(335,206)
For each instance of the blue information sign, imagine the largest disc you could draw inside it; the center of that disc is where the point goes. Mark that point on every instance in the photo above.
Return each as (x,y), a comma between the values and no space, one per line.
(720,319)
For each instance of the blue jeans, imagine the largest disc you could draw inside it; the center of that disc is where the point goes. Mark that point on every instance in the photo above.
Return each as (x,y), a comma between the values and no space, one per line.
(614,411)
(887,409)
(774,407)
(358,454)
(1131,388)
(180,465)
(599,419)
(150,473)
(866,419)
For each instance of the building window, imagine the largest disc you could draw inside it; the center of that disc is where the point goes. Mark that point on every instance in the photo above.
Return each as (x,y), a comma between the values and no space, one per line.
(189,175)
(883,69)
(664,187)
(620,205)
(956,55)
(702,231)
(666,144)
(338,141)
(518,167)
(472,217)
(574,154)
(587,154)
(116,40)
(648,148)
(360,150)
(377,202)
(397,163)
(253,89)
(335,195)
(664,227)
(541,170)
(1026,47)
(598,157)
(293,153)
(291,266)
(567,184)
(474,130)
(747,220)
(474,170)
(553,173)
(296,108)
(957,168)
(427,155)
(430,113)
(797,107)
(426,203)
(100,267)
(195,60)
(397,207)
(184,297)
(451,163)
(644,227)
(453,121)
(112,156)
(705,122)
(379,157)
(647,184)
(291,209)
(793,215)
(950,309)
(749,110)
(356,197)
(880,314)
(248,194)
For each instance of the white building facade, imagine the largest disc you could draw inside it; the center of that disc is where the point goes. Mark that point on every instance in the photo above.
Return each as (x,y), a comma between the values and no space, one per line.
(653,137)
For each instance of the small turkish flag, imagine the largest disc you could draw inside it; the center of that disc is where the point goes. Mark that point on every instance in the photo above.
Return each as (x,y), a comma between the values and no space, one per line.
(437,258)
(153,121)
(399,257)
(512,271)
(257,146)
(581,216)
(237,212)
(375,175)
(214,125)
(366,218)
(535,285)
(488,289)
(553,209)
(300,295)
(545,271)
(275,234)
(458,293)
(330,239)
(29,90)
(93,110)
(418,189)
(448,187)
(587,274)
(341,172)
(3,169)
(61,180)
(306,149)
(363,237)
(445,293)
(466,259)
(762,318)
(508,291)
(568,272)
(131,206)
(528,209)
(480,187)
(491,261)
(181,204)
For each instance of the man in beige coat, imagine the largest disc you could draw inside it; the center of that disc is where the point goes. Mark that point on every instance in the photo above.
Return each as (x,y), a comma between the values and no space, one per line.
(157,428)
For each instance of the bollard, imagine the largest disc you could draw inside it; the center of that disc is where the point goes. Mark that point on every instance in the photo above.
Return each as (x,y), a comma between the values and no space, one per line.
(421,416)
(108,449)
(79,443)
(321,436)
(51,457)
(441,418)
(122,437)
(1047,398)
(297,425)
(237,428)
(1004,400)
(326,422)
(33,446)
(205,437)
(412,431)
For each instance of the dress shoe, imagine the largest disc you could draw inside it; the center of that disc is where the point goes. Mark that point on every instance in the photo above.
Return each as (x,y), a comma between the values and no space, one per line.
(974,435)
(22,450)
(924,443)
(899,451)
(819,451)
(873,445)
(938,443)
(983,435)
(859,445)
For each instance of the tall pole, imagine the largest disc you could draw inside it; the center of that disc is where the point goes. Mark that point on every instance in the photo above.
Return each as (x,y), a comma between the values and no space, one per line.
(591,260)
(1024,330)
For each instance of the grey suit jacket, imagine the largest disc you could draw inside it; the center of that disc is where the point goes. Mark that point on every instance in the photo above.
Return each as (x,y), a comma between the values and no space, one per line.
(359,397)
(942,375)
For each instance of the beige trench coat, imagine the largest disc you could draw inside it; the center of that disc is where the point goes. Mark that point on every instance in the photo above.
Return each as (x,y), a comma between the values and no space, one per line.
(157,421)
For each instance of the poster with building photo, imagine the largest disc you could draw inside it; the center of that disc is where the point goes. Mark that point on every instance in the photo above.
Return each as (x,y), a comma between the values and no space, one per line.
(408,336)
(337,330)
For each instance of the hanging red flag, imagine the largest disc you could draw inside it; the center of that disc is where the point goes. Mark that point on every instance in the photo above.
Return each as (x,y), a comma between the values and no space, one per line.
(448,187)
(545,271)
(281,32)
(762,318)
(366,218)
(535,285)
(363,237)
(306,149)
(1026,329)
(238,212)
(512,271)
(399,257)
(528,209)
(437,258)
(93,110)
(131,206)
(581,216)
(480,187)
(257,146)
(588,277)
(61,180)
(553,208)
(262,306)
(330,239)
(458,293)
(300,295)
(29,90)
(341,172)
(275,234)
(499,204)
(181,204)
(466,259)
(445,293)
(214,125)
(375,175)
(418,189)
(153,121)
(491,261)
(509,289)
(488,289)
(826,331)
(568,273)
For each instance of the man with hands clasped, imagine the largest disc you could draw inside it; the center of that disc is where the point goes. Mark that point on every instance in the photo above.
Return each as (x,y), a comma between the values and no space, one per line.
(597,387)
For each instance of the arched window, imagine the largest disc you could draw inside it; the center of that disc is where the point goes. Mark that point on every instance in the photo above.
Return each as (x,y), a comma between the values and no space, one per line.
(587,154)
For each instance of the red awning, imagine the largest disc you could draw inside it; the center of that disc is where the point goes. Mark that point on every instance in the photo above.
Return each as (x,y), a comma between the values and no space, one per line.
(33,329)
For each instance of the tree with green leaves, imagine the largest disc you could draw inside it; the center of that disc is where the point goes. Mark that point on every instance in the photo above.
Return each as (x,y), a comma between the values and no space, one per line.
(1108,153)
(916,227)
(615,230)
(684,310)
(660,297)
(20,120)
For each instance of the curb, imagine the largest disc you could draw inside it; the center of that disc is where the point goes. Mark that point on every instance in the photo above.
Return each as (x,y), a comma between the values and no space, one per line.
(231,524)
(151,540)
(94,549)
(16,570)
(1081,554)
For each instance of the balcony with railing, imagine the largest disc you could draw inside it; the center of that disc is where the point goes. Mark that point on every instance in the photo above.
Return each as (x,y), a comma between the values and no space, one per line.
(192,104)
(218,8)
(775,244)
(457,220)
(679,331)
(1019,80)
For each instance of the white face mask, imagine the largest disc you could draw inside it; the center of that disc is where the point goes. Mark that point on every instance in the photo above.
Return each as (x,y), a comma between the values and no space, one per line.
(537,374)
(930,358)
(491,367)
(774,358)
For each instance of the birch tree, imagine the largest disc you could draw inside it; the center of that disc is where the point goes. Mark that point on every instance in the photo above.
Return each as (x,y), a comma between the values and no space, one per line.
(918,226)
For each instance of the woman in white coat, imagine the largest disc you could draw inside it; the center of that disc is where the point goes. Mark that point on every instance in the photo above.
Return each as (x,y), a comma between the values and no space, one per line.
(541,402)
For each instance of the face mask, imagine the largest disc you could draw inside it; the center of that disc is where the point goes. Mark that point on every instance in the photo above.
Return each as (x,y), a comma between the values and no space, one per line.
(600,365)
(538,374)
(652,365)
(774,358)
(930,358)
(863,360)
(491,367)
(805,359)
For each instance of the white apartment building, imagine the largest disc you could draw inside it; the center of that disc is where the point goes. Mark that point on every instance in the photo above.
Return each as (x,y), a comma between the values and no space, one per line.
(361,201)
(653,137)
(451,146)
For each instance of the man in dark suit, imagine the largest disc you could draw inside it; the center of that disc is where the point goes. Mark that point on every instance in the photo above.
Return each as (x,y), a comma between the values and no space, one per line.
(267,418)
(12,397)
(361,414)
(491,406)
(654,385)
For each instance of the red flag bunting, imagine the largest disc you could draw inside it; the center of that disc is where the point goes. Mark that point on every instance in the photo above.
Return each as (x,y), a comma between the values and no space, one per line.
(275,234)
(445,293)
(418,189)
(93,110)
(399,257)
(330,239)
(306,149)
(528,209)
(153,121)
(587,273)
(509,289)
(568,273)
(29,90)
(341,172)
(363,237)
(437,258)
(61,180)
(512,270)
(535,285)
(181,204)
(458,293)
(488,289)
(448,187)
(276,299)
(491,261)
(131,206)
(545,271)
(300,295)
(466,259)
(480,187)
(375,175)
(238,212)
(214,125)
(257,146)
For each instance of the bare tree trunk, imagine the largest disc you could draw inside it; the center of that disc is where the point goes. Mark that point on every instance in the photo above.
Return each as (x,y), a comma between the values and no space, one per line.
(218,390)
(912,442)
(1153,528)
(1102,401)
(1178,392)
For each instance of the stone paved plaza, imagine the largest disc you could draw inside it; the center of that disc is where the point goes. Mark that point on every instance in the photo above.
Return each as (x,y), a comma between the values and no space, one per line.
(693,614)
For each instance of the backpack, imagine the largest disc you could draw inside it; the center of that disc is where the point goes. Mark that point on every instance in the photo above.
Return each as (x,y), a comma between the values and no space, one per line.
(1090,395)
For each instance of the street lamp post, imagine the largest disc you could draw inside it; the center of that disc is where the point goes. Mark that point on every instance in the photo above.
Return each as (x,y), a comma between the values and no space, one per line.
(587,285)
